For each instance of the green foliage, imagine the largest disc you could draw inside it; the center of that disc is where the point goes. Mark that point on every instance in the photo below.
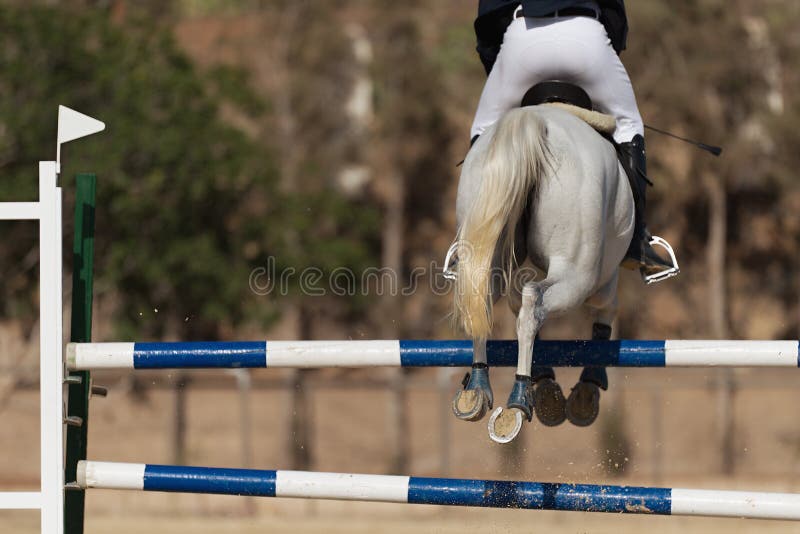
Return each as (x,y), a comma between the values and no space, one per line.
(187,204)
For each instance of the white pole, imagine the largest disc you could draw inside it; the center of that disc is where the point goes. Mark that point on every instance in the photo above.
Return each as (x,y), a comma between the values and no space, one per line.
(19,211)
(51,366)
(20,500)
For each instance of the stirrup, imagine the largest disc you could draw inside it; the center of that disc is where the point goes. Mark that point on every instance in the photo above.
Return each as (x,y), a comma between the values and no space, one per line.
(666,273)
(449,271)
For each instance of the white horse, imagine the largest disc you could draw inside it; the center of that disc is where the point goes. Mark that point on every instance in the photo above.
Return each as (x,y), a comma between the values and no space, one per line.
(540,184)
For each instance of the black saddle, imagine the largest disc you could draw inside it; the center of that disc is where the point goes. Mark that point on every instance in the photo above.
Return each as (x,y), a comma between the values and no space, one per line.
(556,91)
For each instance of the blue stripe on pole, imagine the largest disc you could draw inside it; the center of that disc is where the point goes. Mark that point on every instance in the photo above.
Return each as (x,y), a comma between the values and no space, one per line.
(590,353)
(458,353)
(452,353)
(541,496)
(200,355)
(209,480)
(641,353)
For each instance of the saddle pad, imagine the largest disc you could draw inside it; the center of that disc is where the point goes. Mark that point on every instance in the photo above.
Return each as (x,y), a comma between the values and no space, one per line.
(599,121)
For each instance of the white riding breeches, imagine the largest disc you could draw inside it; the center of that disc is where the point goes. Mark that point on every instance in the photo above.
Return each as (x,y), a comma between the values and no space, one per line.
(570,49)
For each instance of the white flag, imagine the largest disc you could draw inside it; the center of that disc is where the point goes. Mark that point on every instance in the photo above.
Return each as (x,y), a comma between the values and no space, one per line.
(73,125)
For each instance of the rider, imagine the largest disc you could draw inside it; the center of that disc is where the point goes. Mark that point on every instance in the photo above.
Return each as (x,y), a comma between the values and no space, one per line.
(524,42)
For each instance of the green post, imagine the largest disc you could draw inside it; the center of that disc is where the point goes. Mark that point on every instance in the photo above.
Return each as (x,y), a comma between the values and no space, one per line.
(80,332)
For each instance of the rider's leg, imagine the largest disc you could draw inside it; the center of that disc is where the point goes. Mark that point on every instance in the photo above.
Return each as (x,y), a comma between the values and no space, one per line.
(507,82)
(608,84)
(640,254)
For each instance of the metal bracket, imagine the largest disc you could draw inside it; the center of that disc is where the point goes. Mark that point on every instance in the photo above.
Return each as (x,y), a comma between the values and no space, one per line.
(72,486)
(73,420)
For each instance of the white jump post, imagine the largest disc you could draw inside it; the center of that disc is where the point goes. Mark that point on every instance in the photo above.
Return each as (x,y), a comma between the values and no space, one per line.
(50,497)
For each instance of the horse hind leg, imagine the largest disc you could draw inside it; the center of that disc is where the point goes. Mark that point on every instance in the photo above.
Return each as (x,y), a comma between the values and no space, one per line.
(476,398)
(564,288)
(548,398)
(473,401)
(505,424)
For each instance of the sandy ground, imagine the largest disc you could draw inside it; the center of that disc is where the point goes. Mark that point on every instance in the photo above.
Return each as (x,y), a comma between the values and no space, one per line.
(668,422)
(314,517)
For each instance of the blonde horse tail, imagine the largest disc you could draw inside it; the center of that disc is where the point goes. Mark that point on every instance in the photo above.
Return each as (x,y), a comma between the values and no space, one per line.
(513,164)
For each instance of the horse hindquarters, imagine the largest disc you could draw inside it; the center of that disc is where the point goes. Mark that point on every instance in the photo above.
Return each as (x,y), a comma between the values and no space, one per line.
(495,187)
(568,235)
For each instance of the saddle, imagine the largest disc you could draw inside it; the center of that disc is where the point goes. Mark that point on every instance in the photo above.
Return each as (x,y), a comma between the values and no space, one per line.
(570,98)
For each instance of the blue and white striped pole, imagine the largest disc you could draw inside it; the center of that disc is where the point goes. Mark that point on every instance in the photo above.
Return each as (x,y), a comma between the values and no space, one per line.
(441,491)
(413,353)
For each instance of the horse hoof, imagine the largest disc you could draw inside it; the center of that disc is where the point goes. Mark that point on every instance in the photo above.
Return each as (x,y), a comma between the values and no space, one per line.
(470,404)
(521,396)
(505,424)
(583,404)
(549,401)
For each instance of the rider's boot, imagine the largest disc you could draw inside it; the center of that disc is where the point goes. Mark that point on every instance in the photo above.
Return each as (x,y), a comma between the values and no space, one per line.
(640,253)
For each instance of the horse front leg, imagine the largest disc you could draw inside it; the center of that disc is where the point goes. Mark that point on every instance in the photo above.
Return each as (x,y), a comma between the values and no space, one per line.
(548,398)
(475,398)
(583,404)
(473,401)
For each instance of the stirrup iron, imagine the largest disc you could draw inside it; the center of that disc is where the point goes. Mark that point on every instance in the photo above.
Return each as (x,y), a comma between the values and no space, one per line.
(666,273)
(450,258)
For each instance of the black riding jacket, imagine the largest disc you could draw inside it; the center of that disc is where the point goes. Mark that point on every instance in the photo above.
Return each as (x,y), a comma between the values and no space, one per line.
(494,16)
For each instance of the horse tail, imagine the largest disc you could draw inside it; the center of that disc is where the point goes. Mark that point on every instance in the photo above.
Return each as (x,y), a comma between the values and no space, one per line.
(513,164)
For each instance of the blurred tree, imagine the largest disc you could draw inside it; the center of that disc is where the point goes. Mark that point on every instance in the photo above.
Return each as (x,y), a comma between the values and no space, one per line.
(188,204)
(311,65)
(724,84)
(410,146)
(408,150)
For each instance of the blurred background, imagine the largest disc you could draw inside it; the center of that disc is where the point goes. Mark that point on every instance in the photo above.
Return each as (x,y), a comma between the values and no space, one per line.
(294,134)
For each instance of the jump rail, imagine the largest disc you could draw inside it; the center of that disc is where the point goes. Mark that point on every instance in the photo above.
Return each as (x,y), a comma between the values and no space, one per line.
(412,353)
(441,491)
